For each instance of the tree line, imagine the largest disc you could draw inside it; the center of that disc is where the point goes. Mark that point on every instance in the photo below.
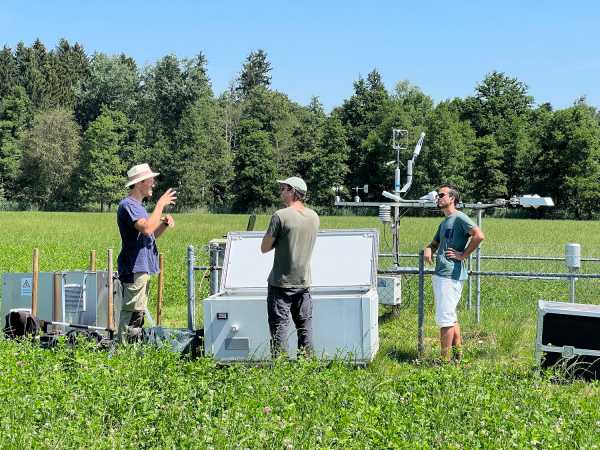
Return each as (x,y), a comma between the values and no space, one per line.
(72,123)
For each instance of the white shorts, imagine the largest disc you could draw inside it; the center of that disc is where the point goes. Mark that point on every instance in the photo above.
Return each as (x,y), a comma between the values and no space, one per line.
(446,293)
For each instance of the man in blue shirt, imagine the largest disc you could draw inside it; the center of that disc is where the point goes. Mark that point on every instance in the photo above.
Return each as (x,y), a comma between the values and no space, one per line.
(138,258)
(456,238)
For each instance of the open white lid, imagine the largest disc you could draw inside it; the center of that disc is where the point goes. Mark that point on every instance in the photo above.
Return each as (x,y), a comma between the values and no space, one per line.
(341,259)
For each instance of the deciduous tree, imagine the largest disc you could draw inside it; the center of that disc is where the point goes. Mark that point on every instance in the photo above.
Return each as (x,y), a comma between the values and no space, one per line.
(50,155)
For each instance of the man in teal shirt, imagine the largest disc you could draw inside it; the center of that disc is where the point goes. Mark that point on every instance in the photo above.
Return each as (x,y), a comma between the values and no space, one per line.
(456,238)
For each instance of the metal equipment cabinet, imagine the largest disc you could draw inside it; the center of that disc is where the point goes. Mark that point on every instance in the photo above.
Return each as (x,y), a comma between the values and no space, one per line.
(84,296)
(344,292)
(569,333)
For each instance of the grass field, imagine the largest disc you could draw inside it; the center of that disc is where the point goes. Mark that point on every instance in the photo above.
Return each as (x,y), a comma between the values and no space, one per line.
(141,397)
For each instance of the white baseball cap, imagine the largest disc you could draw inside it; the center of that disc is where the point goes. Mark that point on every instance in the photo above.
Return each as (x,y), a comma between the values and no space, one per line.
(296,182)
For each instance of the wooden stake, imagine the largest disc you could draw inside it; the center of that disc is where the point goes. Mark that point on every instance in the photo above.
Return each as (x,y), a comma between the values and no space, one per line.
(35,283)
(93,261)
(109,321)
(161,288)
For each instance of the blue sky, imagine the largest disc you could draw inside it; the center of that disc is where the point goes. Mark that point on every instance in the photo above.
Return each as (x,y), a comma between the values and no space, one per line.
(319,48)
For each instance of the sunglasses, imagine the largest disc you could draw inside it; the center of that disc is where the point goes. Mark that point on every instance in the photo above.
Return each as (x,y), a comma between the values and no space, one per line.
(443,194)
(284,187)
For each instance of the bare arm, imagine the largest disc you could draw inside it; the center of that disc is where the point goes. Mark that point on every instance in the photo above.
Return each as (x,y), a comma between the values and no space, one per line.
(477,237)
(165,222)
(267,243)
(430,250)
(150,225)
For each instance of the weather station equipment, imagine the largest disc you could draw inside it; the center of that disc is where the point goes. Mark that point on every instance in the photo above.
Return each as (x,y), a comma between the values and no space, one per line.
(389,212)
(365,189)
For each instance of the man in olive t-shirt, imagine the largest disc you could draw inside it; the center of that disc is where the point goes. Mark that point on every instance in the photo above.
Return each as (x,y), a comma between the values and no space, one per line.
(292,232)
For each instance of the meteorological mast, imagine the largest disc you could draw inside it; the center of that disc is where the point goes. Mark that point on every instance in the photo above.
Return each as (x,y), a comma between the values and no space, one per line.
(400,143)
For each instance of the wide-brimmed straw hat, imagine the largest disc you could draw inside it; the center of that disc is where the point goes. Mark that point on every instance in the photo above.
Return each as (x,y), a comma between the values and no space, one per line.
(139,173)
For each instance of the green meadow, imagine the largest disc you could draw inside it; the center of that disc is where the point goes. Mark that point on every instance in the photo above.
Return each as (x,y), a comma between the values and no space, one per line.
(143,397)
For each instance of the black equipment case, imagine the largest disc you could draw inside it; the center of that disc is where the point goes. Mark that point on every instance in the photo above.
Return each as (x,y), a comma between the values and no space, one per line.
(568,336)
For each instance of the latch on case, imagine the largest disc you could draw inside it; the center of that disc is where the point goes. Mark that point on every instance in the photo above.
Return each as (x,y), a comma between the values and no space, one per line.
(568,351)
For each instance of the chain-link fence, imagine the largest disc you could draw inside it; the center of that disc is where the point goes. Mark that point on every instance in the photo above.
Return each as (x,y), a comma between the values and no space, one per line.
(501,297)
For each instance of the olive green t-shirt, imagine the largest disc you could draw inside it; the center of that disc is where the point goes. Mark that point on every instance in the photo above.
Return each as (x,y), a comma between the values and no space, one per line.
(295,233)
(453,233)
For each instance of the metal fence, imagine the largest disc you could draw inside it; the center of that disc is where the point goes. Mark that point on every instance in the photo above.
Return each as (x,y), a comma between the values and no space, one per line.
(505,280)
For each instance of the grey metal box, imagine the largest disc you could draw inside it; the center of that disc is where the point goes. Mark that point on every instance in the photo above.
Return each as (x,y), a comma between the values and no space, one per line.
(84,296)
(389,290)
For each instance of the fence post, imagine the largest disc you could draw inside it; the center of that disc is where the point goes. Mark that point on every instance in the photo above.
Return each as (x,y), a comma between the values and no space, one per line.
(251,222)
(110,317)
(56,300)
(421,307)
(35,281)
(214,272)
(478,266)
(191,261)
(469,284)
(161,288)
(93,261)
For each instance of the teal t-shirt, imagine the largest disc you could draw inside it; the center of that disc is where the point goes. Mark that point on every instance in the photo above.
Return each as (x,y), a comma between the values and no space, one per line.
(453,232)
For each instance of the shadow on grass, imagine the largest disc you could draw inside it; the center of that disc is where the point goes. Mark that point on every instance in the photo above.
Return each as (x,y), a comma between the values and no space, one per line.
(401,355)
(391,314)
(560,370)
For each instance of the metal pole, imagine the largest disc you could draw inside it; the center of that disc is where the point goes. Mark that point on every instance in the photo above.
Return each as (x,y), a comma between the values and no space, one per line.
(478,266)
(397,235)
(161,288)
(110,318)
(35,281)
(191,261)
(421,307)
(214,272)
(57,297)
(500,257)
(573,263)
(544,275)
(572,281)
(93,261)
(469,284)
